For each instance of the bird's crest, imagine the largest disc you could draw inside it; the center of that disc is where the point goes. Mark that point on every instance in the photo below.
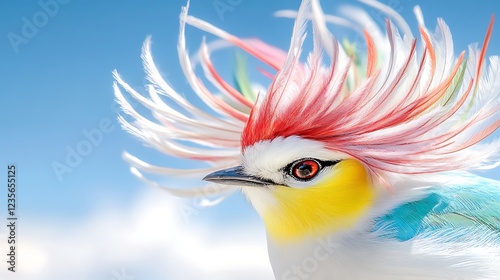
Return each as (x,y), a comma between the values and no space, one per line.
(400,111)
(406,106)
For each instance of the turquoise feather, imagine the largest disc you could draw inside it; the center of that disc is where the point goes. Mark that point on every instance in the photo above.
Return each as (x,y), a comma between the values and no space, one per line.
(462,208)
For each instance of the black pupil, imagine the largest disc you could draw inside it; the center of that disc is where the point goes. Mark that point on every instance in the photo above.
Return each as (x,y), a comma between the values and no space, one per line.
(304,170)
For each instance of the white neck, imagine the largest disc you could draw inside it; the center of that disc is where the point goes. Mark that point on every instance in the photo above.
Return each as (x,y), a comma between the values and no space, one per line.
(362,255)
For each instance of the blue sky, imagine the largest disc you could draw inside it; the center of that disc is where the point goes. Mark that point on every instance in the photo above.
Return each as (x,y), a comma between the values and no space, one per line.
(56,87)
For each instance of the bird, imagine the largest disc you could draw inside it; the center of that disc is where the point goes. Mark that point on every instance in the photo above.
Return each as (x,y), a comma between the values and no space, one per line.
(359,156)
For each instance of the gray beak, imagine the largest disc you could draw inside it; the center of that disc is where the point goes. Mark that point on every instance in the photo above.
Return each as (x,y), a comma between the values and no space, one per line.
(236,176)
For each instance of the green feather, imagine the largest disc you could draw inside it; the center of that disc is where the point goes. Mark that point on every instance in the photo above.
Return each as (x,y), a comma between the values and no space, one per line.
(241,78)
(452,91)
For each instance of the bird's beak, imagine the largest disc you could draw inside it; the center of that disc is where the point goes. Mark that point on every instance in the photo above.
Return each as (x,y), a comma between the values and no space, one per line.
(236,176)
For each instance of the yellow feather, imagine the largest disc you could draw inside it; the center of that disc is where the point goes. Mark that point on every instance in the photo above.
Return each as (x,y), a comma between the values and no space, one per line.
(333,204)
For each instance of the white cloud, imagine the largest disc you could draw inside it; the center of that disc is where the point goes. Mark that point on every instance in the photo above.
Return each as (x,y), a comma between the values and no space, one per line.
(151,241)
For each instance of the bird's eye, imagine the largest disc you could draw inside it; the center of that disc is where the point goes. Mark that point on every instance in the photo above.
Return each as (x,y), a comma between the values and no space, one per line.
(305,169)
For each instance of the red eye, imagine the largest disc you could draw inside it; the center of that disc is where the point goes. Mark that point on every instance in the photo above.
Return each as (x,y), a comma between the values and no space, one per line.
(305,169)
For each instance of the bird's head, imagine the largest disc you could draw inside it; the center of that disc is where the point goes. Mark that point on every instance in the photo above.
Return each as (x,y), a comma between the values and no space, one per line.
(321,146)
(318,148)
(300,188)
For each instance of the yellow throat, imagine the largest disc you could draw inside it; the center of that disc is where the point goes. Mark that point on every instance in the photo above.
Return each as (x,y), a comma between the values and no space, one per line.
(333,204)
